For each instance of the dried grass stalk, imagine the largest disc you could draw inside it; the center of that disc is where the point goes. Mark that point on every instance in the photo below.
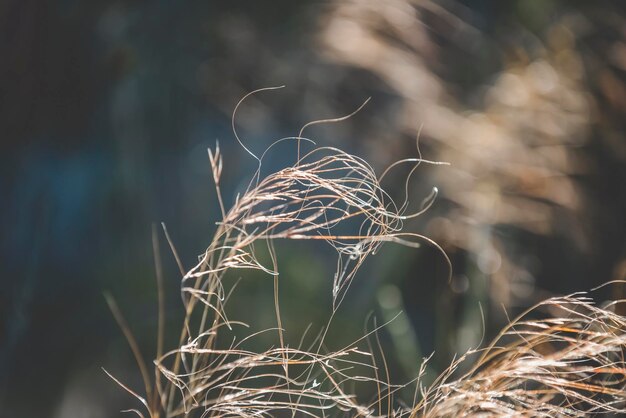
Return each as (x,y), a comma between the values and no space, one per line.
(569,365)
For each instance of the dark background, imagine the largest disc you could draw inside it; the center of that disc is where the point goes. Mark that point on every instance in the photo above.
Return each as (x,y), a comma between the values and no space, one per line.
(107,109)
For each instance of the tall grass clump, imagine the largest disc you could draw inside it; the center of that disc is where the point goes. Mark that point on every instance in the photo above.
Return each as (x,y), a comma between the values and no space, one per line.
(570,364)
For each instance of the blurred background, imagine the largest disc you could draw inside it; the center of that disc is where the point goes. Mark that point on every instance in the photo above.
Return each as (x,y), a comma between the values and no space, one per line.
(107,109)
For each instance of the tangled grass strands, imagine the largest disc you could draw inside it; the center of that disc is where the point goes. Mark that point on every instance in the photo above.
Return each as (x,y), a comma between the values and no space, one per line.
(293,208)
(571,364)
(327,189)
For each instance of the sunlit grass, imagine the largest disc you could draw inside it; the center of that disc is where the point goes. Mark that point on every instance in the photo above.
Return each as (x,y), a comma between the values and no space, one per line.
(570,364)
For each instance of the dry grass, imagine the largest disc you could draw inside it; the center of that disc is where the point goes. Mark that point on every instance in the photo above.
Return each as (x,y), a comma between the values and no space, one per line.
(568,365)
(571,364)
